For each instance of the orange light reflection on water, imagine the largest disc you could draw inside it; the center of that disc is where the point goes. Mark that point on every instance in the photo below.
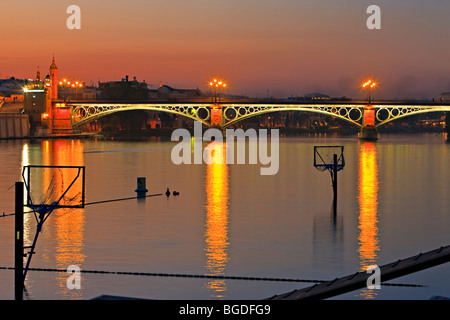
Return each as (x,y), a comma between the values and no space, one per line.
(368,210)
(216,233)
(69,223)
(65,225)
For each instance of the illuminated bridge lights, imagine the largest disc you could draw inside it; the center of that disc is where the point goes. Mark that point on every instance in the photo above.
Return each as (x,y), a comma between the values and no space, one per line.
(233,113)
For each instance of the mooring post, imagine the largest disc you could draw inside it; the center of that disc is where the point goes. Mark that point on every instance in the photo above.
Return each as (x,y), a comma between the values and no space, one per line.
(18,243)
(335,163)
(141,187)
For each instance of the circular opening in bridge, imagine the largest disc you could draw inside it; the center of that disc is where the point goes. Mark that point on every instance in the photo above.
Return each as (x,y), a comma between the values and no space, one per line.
(230,114)
(203,113)
(343,112)
(395,112)
(355,114)
(382,114)
(242,111)
(80,112)
(91,111)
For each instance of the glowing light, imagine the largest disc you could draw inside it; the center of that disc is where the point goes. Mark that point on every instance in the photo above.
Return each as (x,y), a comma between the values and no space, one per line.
(217,211)
(368,213)
(368,202)
(217,84)
(369,85)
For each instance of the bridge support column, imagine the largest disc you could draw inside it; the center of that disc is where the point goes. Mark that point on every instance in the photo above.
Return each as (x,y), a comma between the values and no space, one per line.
(217,119)
(447,125)
(216,116)
(368,131)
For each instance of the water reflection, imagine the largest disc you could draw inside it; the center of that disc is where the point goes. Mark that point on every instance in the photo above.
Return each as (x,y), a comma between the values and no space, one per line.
(68,235)
(368,238)
(216,233)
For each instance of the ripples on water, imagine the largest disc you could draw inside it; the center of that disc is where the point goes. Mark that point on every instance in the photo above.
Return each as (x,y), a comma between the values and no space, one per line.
(229,220)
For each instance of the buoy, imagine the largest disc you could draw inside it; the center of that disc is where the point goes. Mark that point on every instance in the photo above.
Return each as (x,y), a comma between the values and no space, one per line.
(175,193)
(168,192)
(141,188)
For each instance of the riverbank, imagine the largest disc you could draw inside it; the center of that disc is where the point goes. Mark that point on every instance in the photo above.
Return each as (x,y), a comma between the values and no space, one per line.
(167,133)
(58,136)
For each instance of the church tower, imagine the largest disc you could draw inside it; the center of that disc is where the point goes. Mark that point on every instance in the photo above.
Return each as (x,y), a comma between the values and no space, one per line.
(54,80)
(38,75)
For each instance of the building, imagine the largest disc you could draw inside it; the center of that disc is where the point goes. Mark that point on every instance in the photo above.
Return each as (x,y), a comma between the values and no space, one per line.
(70,90)
(11,90)
(443,97)
(53,80)
(124,90)
(37,102)
(317,96)
(165,92)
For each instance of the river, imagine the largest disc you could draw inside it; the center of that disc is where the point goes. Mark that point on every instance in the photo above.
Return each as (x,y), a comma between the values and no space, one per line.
(229,220)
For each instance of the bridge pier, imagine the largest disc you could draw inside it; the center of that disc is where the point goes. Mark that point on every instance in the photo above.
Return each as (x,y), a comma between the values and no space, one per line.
(447,125)
(368,131)
(216,116)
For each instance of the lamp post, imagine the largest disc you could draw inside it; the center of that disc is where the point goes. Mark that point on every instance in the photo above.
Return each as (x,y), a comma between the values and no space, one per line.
(369,85)
(217,84)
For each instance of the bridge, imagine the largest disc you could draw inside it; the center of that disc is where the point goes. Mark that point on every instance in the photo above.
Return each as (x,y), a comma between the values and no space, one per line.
(368,117)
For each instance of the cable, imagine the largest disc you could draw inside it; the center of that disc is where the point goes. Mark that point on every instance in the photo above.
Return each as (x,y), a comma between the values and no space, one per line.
(96,202)
(121,199)
(201,276)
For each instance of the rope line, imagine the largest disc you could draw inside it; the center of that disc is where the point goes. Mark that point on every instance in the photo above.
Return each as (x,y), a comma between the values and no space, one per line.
(96,202)
(201,276)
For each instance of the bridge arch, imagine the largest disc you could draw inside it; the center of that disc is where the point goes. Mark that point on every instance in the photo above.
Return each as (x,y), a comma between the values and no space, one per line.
(350,113)
(85,113)
(388,113)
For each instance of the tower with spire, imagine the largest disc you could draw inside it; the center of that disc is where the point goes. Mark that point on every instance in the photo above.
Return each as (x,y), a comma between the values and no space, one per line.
(54,80)
(38,75)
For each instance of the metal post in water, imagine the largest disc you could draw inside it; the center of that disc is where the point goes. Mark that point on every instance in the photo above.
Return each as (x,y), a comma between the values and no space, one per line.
(335,163)
(18,243)
(141,187)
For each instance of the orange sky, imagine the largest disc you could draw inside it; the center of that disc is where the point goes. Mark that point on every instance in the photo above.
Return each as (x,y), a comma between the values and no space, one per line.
(289,47)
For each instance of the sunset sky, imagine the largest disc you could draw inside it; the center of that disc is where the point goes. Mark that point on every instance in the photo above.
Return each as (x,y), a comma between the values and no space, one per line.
(284,47)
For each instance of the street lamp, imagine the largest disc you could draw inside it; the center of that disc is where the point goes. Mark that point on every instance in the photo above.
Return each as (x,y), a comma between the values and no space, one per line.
(217,84)
(369,85)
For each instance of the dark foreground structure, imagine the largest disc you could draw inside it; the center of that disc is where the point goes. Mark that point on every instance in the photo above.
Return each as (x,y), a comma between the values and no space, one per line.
(359,280)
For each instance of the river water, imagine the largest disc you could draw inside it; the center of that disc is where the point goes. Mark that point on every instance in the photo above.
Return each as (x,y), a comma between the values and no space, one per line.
(393,203)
